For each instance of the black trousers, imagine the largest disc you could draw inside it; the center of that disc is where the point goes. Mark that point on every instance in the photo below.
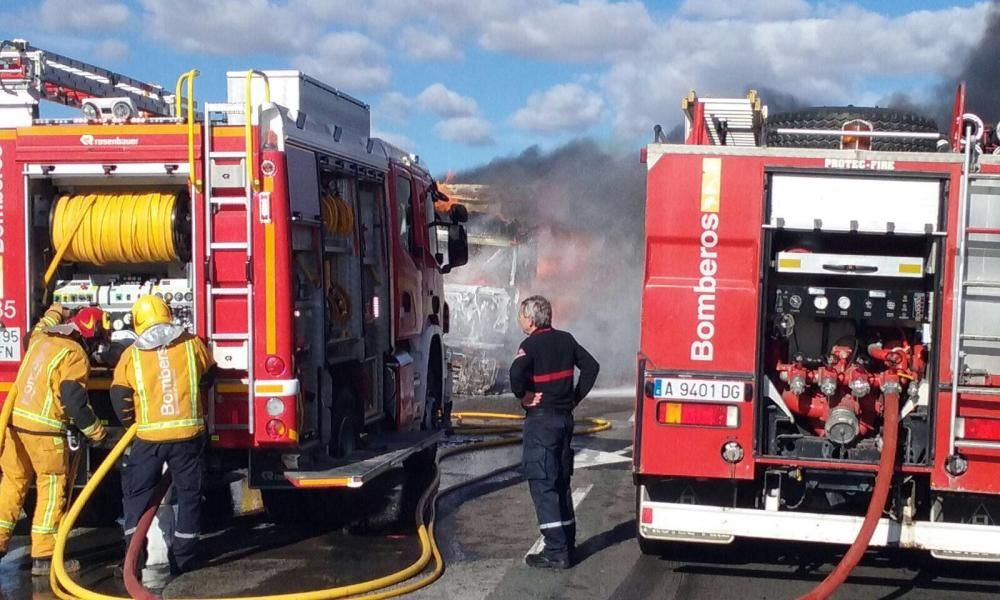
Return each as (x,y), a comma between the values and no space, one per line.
(141,473)
(547,462)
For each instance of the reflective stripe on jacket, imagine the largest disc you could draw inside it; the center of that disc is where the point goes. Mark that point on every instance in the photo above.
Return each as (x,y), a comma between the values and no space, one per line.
(50,361)
(166,381)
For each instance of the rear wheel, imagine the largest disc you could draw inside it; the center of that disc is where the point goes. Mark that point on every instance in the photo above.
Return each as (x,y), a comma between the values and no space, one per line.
(834,117)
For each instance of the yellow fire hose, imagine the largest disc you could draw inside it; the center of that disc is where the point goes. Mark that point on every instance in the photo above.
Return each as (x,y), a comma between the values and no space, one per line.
(382,587)
(114,228)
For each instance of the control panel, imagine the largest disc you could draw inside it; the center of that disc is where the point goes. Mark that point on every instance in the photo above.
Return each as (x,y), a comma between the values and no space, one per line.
(116,295)
(853,303)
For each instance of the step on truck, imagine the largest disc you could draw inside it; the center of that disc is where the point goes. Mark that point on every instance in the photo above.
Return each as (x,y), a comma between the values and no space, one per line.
(305,252)
(819,326)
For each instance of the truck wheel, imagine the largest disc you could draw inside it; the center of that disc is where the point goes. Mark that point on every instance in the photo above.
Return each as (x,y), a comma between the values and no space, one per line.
(834,117)
(344,438)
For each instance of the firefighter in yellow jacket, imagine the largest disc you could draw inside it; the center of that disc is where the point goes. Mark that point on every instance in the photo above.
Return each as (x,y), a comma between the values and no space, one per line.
(49,394)
(158,385)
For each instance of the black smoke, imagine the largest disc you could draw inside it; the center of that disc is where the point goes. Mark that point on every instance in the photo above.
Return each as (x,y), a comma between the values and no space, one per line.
(584,205)
(980,70)
(981,73)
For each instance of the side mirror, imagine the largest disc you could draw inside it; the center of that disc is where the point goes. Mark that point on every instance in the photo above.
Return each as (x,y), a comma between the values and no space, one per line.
(458,247)
(459,214)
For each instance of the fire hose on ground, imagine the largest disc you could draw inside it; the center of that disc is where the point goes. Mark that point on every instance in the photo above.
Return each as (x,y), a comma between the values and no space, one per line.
(883,481)
(387,586)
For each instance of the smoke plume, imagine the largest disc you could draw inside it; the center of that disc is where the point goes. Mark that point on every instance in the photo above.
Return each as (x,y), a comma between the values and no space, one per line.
(583,206)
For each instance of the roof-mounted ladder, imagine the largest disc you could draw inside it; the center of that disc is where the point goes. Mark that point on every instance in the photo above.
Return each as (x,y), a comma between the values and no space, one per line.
(727,121)
(44,75)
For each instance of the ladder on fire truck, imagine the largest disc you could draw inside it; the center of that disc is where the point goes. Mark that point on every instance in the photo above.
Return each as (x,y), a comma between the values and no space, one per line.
(28,74)
(726,121)
(979,202)
(232,349)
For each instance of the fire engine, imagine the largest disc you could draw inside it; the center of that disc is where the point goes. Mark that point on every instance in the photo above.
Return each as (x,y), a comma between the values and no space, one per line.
(820,349)
(305,252)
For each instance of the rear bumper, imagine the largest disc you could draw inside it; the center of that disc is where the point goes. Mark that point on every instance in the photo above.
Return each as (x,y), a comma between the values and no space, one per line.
(719,525)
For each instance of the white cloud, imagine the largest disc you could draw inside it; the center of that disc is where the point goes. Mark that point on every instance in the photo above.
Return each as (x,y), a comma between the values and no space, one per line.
(71,15)
(230,27)
(420,44)
(394,107)
(349,61)
(443,102)
(760,10)
(111,50)
(396,139)
(563,107)
(472,131)
(590,31)
(811,58)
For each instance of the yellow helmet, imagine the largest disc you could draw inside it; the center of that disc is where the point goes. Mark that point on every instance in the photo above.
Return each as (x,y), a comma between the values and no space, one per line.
(150,310)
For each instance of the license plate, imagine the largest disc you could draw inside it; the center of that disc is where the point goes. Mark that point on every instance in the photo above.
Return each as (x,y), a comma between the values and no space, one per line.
(10,344)
(710,390)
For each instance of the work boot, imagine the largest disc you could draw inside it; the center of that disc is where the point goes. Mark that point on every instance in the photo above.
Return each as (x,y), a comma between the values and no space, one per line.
(41,566)
(541,560)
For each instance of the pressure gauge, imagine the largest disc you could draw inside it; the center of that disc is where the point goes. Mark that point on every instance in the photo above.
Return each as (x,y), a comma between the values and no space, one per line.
(821,302)
(844,302)
(795,301)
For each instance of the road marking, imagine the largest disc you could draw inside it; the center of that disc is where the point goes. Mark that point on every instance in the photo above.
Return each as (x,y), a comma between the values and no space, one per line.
(619,392)
(585,457)
(578,496)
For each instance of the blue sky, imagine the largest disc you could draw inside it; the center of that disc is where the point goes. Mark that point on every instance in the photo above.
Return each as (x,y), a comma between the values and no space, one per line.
(463,81)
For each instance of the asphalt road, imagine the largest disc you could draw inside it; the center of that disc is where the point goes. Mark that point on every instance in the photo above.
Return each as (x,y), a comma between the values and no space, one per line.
(486,529)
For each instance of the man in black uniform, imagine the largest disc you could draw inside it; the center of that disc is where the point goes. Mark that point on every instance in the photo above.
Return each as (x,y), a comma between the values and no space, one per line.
(542,377)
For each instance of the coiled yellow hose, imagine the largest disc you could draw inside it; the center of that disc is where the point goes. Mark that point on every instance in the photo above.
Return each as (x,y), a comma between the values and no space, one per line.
(338,215)
(116,228)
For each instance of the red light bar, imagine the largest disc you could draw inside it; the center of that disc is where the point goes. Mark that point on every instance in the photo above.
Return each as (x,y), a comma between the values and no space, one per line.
(696,413)
(981,429)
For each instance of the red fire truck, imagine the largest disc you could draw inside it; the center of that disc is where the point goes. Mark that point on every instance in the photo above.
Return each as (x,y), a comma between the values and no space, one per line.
(820,346)
(306,253)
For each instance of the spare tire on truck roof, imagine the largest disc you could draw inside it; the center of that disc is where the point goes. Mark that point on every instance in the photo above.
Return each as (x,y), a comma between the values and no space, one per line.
(834,117)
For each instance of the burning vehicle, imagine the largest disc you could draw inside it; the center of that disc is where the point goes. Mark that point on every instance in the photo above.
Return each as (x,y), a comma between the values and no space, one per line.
(483,299)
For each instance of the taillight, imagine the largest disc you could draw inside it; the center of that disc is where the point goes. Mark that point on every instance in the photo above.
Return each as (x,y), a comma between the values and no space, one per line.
(274,365)
(698,413)
(647,515)
(275,428)
(980,429)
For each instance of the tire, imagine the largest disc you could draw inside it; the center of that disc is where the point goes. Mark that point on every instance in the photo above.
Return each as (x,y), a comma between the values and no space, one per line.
(344,421)
(834,117)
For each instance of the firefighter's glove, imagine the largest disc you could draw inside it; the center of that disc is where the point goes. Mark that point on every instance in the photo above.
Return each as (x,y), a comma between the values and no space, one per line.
(96,432)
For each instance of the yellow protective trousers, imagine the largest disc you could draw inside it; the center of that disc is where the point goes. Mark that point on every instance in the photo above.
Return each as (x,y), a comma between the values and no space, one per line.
(47,458)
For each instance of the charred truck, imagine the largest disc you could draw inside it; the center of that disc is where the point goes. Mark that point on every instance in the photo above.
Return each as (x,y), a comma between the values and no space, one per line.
(306,253)
(484,296)
(820,345)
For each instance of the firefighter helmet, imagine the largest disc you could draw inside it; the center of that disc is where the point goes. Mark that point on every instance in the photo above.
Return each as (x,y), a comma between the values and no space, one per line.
(150,310)
(91,322)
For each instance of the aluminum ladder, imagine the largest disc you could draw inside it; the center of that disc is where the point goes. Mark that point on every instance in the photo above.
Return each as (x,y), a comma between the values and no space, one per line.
(48,75)
(231,349)
(980,196)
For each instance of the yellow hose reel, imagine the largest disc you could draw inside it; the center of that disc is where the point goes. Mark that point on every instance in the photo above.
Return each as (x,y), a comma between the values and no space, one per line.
(122,227)
(337,213)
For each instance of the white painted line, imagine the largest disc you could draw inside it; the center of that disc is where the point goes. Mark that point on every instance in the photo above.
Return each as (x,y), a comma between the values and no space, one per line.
(631,418)
(585,457)
(578,495)
(619,392)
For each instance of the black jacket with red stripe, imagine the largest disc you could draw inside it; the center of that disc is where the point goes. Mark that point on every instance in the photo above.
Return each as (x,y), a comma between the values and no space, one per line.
(545,362)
